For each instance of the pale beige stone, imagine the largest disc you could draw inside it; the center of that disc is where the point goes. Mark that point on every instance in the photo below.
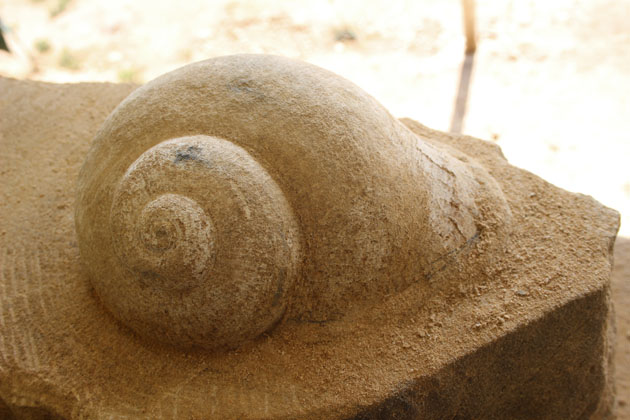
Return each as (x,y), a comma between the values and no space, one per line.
(258,238)
(312,198)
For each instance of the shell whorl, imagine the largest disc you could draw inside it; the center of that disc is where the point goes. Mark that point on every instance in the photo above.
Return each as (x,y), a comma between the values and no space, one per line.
(193,220)
(220,196)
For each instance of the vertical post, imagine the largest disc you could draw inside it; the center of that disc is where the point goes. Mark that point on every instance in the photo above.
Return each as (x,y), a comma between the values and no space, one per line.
(461,100)
(468,7)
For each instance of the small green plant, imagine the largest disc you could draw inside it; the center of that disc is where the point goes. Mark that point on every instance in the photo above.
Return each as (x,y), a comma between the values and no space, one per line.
(68,60)
(42,46)
(59,7)
(129,75)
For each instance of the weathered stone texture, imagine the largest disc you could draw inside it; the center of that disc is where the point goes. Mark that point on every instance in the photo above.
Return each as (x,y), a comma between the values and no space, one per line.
(511,322)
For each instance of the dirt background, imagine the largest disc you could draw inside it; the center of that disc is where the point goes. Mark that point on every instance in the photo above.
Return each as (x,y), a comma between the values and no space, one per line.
(550,84)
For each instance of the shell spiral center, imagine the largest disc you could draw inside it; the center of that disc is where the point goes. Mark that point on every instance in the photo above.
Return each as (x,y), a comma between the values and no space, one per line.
(201,246)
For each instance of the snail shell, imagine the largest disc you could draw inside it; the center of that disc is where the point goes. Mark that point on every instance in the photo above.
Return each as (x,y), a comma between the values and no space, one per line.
(230,192)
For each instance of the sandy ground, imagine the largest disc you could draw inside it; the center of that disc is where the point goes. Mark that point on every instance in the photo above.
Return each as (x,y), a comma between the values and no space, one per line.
(551,80)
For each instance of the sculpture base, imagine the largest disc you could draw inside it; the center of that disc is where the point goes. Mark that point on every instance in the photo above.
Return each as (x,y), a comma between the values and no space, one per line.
(532,339)
(554,367)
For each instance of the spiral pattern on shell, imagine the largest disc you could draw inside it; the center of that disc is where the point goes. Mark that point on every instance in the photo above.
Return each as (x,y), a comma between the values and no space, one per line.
(193,220)
(229,193)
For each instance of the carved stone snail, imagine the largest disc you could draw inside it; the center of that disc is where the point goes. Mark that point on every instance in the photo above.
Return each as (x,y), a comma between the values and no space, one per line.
(228,195)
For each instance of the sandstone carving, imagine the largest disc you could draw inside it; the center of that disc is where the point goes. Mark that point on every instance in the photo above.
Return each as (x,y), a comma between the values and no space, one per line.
(223,195)
(256,237)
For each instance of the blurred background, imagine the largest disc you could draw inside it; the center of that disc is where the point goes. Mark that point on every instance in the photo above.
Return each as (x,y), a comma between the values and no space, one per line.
(550,82)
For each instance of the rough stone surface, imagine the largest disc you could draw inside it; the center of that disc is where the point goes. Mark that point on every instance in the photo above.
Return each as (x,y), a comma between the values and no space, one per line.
(514,323)
(621,300)
(320,200)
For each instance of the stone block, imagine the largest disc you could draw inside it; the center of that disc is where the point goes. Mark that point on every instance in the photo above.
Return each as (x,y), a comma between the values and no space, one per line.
(512,321)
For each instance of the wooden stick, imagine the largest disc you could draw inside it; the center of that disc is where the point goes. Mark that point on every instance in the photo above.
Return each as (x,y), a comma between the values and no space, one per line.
(457,122)
(469,25)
